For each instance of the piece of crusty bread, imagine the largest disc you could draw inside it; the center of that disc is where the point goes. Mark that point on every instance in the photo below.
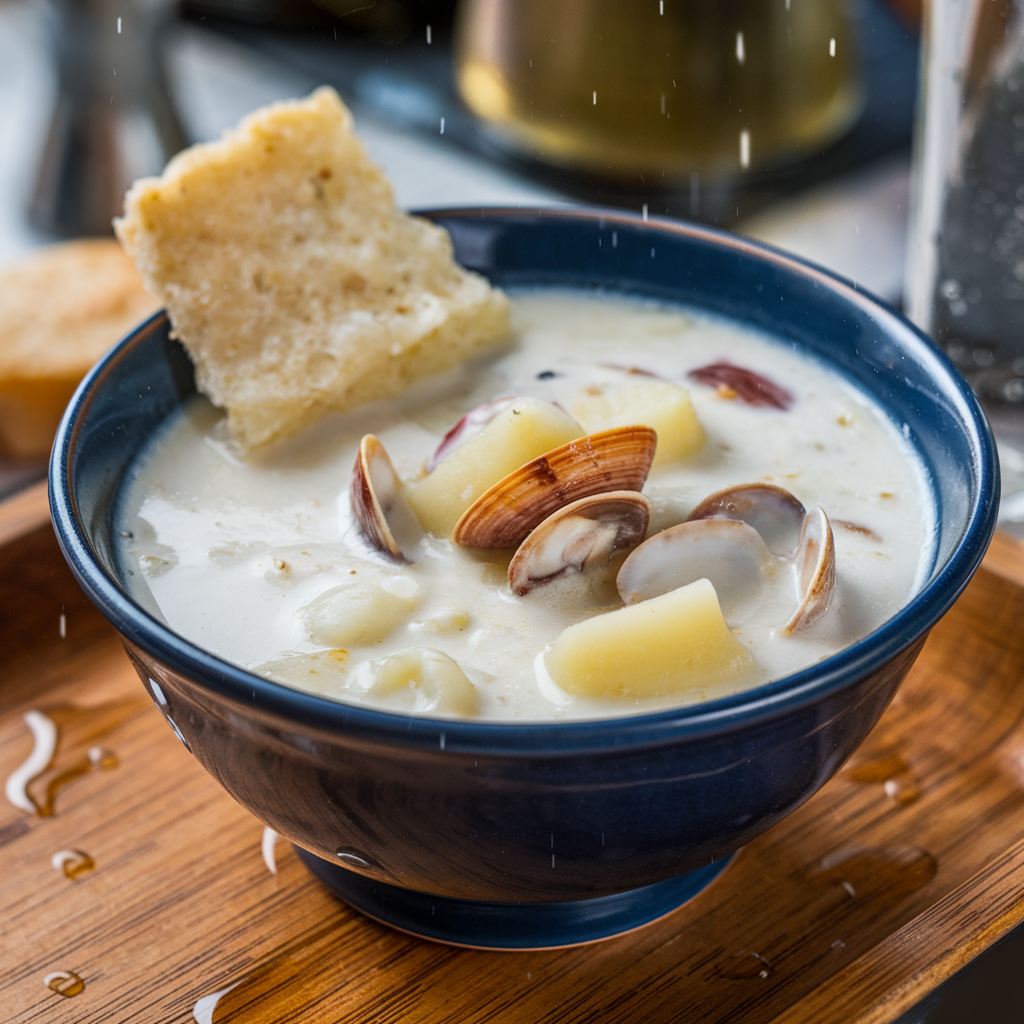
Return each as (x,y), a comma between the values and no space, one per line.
(61,308)
(295,283)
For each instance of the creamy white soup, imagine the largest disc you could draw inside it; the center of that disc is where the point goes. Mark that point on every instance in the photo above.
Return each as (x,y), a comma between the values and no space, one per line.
(262,560)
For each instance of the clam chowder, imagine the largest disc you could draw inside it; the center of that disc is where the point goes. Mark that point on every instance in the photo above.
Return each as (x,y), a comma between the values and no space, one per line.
(632,507)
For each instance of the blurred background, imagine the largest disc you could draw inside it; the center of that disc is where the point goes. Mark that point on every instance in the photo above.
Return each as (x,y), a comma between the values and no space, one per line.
(791,121)
(836,129)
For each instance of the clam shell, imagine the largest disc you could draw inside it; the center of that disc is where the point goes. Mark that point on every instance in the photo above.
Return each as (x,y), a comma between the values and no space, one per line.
(775,513)
(816,562)
(612,460)
(577,536)
(729,553)
(376,494)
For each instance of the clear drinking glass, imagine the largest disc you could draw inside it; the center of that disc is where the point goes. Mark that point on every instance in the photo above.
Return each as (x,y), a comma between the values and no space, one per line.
(965,275)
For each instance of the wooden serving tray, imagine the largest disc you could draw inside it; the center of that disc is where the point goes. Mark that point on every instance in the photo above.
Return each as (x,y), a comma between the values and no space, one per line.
(898,872)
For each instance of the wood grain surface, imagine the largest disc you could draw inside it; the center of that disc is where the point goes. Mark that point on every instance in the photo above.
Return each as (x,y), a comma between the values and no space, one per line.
(899,871)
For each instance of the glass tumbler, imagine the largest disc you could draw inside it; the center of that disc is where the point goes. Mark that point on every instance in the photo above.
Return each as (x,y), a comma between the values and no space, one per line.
(965,273)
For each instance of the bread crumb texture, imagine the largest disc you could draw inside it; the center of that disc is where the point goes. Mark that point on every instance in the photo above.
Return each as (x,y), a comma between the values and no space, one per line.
(61,308)
(295,283)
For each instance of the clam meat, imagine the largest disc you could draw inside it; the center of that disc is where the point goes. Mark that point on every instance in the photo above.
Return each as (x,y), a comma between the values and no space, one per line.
(730,554)
(739,539)
(578,536)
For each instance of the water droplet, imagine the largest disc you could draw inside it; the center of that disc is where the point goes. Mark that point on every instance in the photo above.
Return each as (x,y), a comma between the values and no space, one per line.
(743,966)
(64,983)
(58,757)
(869,871)
(744,148)
(72,862)
(270,989)
(268,844)
(898,781)
(354,857)
(203,1010)
(103,759)
(44,746)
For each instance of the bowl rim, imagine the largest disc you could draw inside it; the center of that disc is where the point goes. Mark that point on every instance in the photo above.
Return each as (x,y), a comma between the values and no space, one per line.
(529,737)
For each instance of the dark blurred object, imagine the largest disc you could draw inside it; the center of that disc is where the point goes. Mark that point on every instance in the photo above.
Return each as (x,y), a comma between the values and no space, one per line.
(672,90)
(384,22)
(113,120)
(909,10)
(412,85)
(987,989)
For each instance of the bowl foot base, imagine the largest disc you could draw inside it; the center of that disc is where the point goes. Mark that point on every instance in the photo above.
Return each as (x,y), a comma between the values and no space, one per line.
(523,926)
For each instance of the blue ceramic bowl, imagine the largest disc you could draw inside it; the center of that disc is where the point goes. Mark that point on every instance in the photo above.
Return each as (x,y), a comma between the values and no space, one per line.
(517,836)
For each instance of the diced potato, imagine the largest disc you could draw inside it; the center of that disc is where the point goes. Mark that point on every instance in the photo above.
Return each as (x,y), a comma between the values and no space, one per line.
(424,680)
(320,672)
(668,645)
(361,612)
(659,404)
(448,620)
(527,428)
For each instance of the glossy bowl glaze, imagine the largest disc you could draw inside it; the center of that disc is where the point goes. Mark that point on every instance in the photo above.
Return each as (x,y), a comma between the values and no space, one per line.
(515,836)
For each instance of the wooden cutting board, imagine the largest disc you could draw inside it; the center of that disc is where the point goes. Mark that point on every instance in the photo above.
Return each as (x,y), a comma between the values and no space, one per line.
(898,872)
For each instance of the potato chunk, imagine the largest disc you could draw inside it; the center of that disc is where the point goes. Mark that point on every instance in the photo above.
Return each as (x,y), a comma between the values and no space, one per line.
(659,404)
(361,612)
(527,428)
(424,680)
(671,644)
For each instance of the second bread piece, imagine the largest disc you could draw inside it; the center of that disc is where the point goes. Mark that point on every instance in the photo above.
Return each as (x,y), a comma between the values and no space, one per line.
(295,283)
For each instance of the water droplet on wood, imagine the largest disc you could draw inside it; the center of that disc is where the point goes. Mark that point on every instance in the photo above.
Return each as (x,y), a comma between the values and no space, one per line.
(72,862)
(64,983)
(743,966)
(873,871)
(899,783)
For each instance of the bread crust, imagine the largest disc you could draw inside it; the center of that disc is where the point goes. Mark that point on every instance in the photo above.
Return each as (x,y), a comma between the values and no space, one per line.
(294,282)
(61,308)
